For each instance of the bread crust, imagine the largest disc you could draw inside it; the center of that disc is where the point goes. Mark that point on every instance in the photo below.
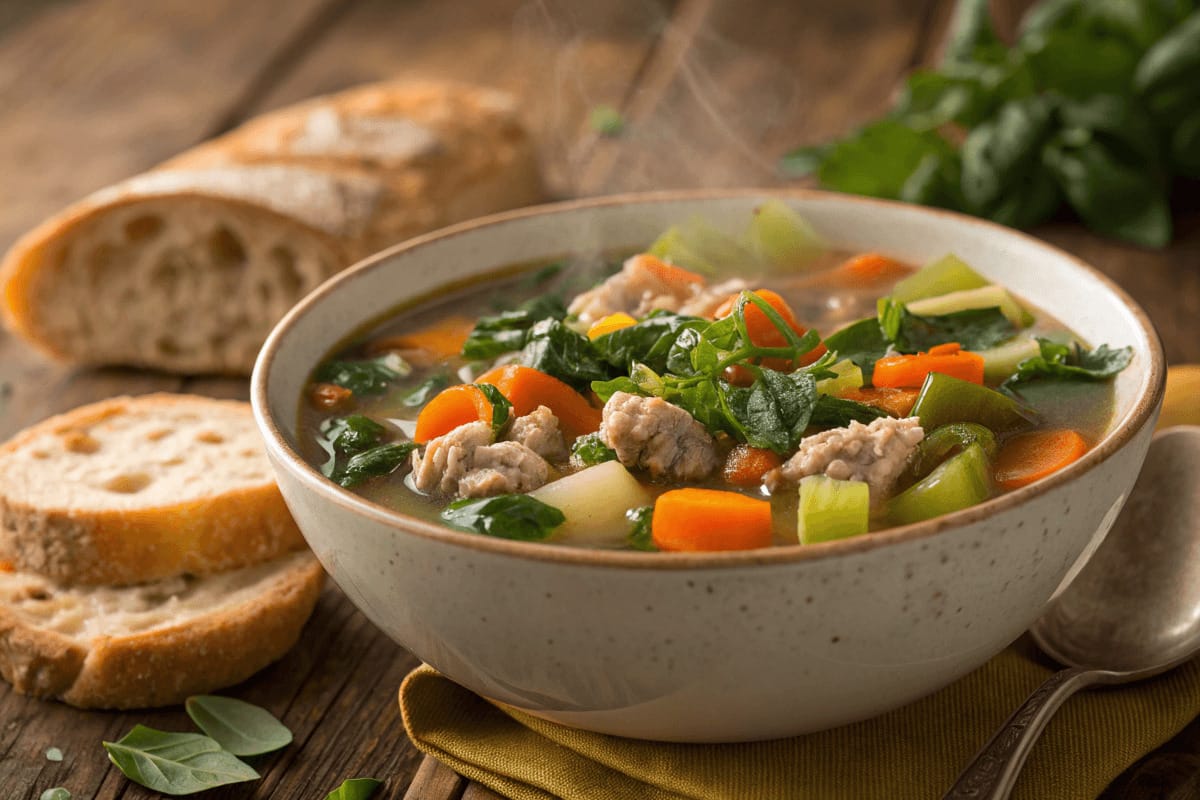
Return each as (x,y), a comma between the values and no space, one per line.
(346,174)
(165,665)
(245,525)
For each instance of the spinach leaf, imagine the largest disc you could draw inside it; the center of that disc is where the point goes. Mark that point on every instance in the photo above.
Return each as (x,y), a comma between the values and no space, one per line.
(426,390)
(508,516)
(347,436)
(381,460)
(176,763)
(355,789)
(370,376)
(1002,173)
(651,341)
(974,329)
(1070,363)
(242,728)
(591,450)
(863,343)
(1080,64)
(837,412)
(640,523)
(1174,59)
(557,350)
(501,408)
(606,389)
(508,331)
(971,36)
(773,412)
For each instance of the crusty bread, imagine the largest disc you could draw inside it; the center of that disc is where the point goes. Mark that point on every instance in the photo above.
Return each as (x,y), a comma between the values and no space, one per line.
(187,267)
(137,489)
(154,644)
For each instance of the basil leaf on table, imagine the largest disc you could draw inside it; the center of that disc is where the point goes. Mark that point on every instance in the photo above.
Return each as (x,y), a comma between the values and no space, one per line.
(369,376)
(555,349)
(57,793)
(378,461)
(426,390)
(508,516)
(1071,363)
(242,728)
(641,536)
(355,789)
(176,763)
(591,450)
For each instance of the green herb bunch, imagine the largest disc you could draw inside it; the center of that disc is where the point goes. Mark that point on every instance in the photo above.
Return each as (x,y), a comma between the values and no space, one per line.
(1096,105)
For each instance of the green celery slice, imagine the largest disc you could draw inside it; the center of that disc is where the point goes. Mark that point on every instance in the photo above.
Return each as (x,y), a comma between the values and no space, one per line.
(780,237)
(1001,361)
(831,509)
(957,483)
(849,376)
(944,400)
(700,247)
(968,299)
(948,274)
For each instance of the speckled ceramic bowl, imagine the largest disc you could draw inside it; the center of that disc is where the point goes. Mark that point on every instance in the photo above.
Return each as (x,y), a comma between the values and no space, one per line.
(722,646)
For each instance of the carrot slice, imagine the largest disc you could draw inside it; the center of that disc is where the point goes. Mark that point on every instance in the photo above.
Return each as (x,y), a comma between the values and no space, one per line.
(910,371)
(329,396)
(746,465)
(670,275)
(710,519)
(443,338)
(527,388)
(450,408)
(763,332)
(897,402)
(870,268)
(1028,457)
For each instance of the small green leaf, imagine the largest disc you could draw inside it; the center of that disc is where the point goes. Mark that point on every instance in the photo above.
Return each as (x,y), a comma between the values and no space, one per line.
(606,120)
(378,461)
(641,521)
(508,516)
(176,763)
(501,408)
(57,793)
(591,450)
(54,754)
(242,728)
(355,789)
(1070,363)
(370,376)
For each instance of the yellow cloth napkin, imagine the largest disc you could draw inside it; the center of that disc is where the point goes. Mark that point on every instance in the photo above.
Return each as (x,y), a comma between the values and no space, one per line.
(913,752)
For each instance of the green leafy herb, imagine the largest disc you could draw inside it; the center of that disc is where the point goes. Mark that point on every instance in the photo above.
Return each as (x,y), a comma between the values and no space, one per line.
(1071,363)
(640,522)
(381,460)
(652,341)
(591,450)
(57,793)
(176,763)
(242,728)
(426,390)
(863,343)
(837,412)
(501,408)
(370,376)
(355,789)
(775,410)
(974,329)
(508,331)
(606,120)
(508,516)
(557,350)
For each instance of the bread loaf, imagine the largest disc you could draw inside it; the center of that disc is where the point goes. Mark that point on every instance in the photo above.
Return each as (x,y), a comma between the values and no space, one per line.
(186,268)
(138,489)
(153,644)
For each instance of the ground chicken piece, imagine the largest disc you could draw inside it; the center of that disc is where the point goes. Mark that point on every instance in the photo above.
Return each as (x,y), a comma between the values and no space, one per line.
(875,453)
(465,462)
(664,439)
(708,300)
(637,289)
(538,430)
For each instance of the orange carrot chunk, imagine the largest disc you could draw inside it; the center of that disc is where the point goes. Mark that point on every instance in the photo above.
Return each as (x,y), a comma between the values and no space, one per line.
(1032,456)
(443,338)
(450,408)
(329,396)
(897,402)
(870,268)
(763,332)
(746,465)
(527,388)
(910,371)
(669,274)
(710,519)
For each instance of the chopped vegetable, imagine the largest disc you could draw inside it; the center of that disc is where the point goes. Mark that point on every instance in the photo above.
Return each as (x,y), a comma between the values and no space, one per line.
(831,509)
(862,342)
(868,269)
(968,299)
(910,371)
(1031,456)
(958,483)
(427,389)
(527,388)
(593,502)
(746,465)
(443,339)
(896,402)
(781,238)
(508,331)
(697,245)
(838,412)
(668,274)
(454,406)
(945,399)
(847,376)
(973,329)
(941,443)
(590,450)
(1001,361)
(507,516)
(613,322)
(378,461)
(648,342)
(764,330)
(943,276)
(370,376)
(640,536)
(1071,363)
(709,519)
(329,396)
(553,348)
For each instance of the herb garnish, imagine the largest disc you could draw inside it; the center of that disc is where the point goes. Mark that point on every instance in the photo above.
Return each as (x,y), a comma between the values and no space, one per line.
(355,789)
(356,439)
(555,349)
(508,516)
(974,329)
(381,460)
(242,728)
(1070,363)
(641,520)
(176,763)
(369,376)
(501,408)
(508,331)
(590,450)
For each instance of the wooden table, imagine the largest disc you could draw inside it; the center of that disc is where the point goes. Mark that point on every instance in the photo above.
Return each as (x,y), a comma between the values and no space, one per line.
(713,92)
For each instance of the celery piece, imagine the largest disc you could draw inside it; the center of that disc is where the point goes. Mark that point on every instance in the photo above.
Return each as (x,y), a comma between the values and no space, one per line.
(831,509)
(1001,361)
(943,442)
(698,246)
(780,237)
(948,274)
(968,299)
(944,400)
(958,483)
(849,376)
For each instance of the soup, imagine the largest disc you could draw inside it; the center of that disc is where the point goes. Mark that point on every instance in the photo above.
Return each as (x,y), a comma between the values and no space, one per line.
(682,398)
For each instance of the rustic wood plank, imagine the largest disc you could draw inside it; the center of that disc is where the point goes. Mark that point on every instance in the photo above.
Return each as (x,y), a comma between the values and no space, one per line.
(435,781)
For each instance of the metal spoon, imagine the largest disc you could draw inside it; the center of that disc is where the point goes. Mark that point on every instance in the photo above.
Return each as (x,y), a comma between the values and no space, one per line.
(1131,613)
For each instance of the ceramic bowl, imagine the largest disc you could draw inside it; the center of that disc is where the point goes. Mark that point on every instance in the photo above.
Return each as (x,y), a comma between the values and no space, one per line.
(720,646)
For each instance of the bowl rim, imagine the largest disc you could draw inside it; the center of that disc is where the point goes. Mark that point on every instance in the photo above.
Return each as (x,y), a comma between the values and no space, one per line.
(1141,414)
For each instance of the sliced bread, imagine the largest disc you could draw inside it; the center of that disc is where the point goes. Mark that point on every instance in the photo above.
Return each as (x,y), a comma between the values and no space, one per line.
(187,267)
(130,490)
(153,644)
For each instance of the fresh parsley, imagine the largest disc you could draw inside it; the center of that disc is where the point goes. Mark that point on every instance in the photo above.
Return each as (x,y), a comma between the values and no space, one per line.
(641,521)
(590,450)
(1070,362)
(507,516)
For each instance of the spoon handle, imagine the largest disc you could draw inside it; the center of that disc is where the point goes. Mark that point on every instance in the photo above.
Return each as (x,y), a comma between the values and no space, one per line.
(993,771)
